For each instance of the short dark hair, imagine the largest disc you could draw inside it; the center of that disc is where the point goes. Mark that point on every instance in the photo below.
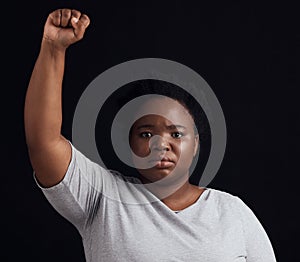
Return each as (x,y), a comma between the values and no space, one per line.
(142,87)
(160,87)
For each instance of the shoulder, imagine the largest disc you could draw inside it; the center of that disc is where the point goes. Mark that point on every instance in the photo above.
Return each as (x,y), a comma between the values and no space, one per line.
(226,201)
(234,204)
(222,197)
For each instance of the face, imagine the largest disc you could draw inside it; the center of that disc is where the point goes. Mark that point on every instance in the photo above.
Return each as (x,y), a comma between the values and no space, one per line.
(163,140)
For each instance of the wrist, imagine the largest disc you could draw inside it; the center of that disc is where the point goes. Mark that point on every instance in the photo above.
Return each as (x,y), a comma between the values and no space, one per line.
(52,48)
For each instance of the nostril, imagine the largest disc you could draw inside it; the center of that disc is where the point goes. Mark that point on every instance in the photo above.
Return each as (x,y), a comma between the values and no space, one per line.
(160,148)
(159,143)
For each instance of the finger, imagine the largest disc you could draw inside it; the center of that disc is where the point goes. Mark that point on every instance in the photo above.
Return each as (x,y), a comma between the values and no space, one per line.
(65,17)
(55,17)
(80,25)
(75,14)
(84,20)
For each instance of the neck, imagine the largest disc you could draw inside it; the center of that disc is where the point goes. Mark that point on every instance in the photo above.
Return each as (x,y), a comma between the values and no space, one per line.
(182,194)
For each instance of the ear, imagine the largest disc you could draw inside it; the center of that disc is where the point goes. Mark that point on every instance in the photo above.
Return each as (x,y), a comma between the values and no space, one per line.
(197,142)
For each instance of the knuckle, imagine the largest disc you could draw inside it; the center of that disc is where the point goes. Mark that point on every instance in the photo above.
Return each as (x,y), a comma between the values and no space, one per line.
(66,13)
(85,20)
(85,17)
(76,13)
(56,13)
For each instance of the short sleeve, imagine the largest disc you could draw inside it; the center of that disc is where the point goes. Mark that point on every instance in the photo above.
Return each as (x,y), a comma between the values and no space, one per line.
(257,242)
(77,196)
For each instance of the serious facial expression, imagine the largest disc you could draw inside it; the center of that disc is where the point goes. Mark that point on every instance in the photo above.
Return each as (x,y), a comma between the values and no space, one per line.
(167,136)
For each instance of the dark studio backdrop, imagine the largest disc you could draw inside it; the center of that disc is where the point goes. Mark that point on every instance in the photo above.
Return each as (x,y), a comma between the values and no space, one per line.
(247,52)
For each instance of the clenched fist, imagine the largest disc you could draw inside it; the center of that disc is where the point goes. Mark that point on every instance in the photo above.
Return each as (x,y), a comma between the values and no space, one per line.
(65,27)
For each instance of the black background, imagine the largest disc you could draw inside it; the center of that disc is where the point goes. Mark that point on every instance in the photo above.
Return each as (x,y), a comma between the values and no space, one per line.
(248,53)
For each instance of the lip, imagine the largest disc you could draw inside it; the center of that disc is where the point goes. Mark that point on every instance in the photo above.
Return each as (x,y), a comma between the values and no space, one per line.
(164,159)
(164,162)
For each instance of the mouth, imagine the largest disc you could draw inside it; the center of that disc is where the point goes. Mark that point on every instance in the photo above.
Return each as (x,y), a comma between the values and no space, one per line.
(164,162)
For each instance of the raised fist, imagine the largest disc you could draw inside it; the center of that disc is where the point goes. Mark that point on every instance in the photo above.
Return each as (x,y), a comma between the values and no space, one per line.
(65,27)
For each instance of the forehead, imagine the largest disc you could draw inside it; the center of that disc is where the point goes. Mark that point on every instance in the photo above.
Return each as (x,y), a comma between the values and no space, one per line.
(165,107)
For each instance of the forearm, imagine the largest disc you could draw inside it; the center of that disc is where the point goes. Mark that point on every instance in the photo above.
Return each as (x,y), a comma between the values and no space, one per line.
(43,103)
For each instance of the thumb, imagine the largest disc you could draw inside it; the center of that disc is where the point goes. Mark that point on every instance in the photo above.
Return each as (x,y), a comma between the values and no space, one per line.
(74,21)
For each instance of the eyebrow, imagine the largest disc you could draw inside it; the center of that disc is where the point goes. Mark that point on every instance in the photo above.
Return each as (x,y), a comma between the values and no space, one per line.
(171,127)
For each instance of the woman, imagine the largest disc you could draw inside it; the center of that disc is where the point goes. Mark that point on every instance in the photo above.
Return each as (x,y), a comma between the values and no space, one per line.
(158,216)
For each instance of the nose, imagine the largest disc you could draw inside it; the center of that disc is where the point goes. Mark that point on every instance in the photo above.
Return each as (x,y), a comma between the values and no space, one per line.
(159,143)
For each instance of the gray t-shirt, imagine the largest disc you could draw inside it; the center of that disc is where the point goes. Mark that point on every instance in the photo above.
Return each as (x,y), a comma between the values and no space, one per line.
(218,227)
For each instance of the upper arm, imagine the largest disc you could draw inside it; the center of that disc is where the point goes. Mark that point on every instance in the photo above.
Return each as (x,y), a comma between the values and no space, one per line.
(258,244)
(50,162)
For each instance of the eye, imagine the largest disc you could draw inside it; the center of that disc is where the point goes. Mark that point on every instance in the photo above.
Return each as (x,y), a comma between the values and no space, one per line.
(177,134)
(145,134)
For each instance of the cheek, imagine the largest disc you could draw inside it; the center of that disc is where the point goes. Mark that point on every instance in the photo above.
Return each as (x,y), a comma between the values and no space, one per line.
(186,152)
(139,146)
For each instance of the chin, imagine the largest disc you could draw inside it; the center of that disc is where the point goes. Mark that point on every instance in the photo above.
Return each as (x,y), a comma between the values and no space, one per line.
(151,176)
(154,175)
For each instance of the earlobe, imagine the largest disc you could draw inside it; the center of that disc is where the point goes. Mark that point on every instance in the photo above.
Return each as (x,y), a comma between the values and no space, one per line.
(197,142)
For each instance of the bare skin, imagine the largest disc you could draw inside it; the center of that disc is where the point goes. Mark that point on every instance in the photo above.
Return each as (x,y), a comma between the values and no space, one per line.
(49,151)
(171,144)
